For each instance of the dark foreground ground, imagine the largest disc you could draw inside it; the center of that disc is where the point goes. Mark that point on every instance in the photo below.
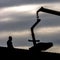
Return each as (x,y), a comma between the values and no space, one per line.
(26,54)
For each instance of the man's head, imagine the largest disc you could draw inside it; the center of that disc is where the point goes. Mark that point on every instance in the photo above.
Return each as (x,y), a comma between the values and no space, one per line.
(10,37)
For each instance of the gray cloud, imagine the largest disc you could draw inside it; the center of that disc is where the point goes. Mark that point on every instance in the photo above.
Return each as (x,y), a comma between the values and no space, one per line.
(49,20)
(17,24)
(25,22)
(54,38)
(20,22)
(6,3)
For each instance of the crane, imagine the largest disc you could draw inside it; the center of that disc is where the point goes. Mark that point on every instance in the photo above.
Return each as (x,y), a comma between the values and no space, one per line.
(42,46)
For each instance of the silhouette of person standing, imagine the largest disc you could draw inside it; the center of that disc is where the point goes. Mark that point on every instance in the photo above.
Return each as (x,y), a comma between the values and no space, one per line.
(9,42)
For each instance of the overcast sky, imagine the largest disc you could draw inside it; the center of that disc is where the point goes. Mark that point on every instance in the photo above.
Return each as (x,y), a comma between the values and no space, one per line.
(17,16)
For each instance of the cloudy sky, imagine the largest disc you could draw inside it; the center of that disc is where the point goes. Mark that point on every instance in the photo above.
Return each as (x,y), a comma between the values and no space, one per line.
(17,16)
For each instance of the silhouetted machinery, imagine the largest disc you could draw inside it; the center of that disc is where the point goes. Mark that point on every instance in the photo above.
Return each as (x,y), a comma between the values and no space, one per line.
(41,45)
(37,48)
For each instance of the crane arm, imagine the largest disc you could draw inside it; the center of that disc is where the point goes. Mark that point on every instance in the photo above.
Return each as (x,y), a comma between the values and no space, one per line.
(48,11)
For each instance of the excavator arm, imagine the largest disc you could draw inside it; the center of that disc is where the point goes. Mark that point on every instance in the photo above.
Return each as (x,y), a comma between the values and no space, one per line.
(42,9)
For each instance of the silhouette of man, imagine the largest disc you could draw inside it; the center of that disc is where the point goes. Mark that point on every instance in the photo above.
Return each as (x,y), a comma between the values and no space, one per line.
(9,42)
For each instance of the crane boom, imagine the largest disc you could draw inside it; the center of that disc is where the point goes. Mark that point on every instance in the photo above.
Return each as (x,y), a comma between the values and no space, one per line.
(38,20)
(48,11)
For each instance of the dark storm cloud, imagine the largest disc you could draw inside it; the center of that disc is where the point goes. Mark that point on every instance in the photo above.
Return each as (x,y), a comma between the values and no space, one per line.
(49,20)
(6,3)
(25,22)
(17,24)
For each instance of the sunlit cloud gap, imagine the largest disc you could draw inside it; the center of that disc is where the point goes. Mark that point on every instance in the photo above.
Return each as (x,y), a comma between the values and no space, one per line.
(48,30)
(18,33)
(23,47)
(54,49)
(5,19)
(21,9)
(26,33)
(29,8)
